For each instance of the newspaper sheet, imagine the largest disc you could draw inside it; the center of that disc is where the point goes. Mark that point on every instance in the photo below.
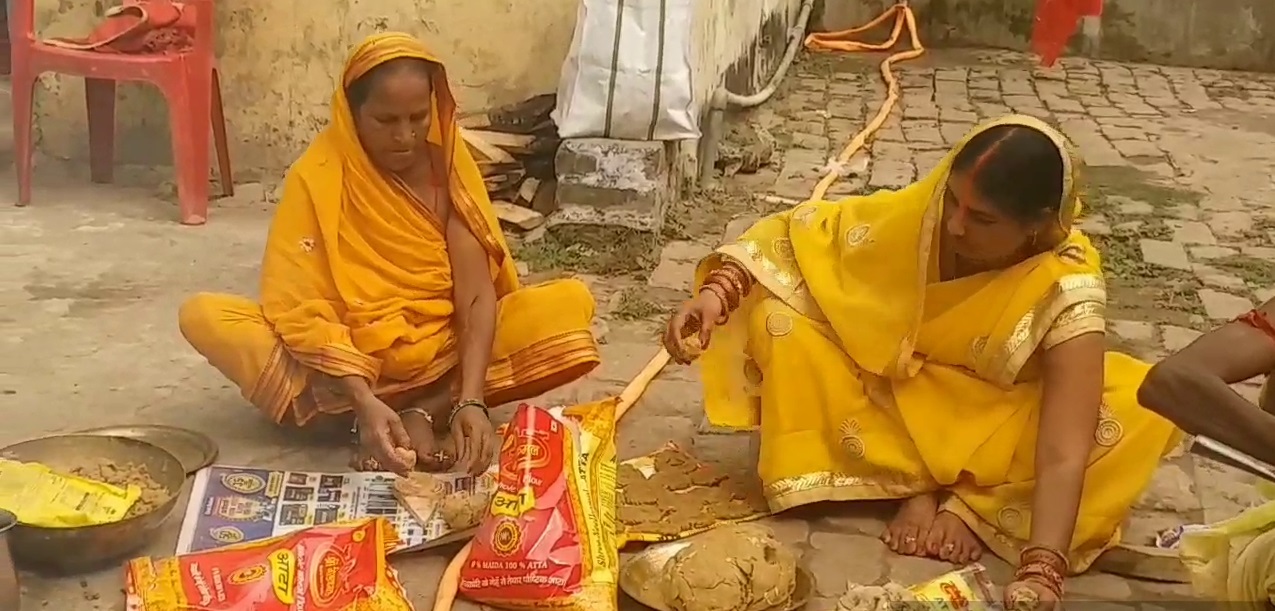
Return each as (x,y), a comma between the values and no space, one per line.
(230,505)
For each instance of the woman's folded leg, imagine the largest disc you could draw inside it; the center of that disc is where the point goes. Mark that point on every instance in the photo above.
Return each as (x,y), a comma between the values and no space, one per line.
(544,340)
(827,430)
(233,334)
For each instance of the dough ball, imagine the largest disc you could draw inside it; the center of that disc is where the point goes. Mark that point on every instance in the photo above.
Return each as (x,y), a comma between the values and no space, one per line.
(692,347)
(732,568)
(407,456)
(462,510)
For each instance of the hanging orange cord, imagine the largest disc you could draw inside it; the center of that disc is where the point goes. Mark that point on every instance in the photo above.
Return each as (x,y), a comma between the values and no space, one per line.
(844,41)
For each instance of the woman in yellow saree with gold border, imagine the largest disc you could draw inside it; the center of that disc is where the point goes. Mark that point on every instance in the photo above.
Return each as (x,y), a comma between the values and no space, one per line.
(919,344)
(387,288)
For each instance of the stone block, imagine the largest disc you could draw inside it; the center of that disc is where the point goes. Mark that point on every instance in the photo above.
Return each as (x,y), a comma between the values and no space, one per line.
(1177,338)
(676,270)
(1165,254)
(1132,330)
(617,183)
(1192,232)
(1213,252)
(1098,586)
(737,226)
(1223,306)
(838,559)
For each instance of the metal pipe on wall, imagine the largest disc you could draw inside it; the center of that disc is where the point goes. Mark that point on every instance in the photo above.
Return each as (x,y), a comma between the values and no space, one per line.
(722,99)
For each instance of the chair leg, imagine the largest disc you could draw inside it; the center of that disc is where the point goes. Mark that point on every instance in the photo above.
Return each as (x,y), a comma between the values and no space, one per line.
(189,111)
(23,86)
(99,98)
(220,142)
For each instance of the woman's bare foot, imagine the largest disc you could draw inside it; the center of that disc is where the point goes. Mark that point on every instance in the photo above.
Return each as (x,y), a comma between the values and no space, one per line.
(907,532)
(952,541)
(420,428)
(362,458)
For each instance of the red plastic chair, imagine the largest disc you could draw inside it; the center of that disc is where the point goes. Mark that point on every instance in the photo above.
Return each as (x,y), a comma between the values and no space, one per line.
(188,81)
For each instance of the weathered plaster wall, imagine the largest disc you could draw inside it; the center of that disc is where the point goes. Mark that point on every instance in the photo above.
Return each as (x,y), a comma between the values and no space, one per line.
(738,44)
(280,60)
(1228,34)
(743,34)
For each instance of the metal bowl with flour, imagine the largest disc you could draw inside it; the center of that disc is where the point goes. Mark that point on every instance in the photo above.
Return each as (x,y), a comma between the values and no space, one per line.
(80,549)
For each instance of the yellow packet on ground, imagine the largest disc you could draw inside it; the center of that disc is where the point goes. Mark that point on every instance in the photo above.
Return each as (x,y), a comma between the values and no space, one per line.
(967,589)
(1217,571)
(40,496)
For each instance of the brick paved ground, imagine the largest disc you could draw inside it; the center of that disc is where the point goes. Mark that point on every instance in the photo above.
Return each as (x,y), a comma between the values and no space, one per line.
(1182,165)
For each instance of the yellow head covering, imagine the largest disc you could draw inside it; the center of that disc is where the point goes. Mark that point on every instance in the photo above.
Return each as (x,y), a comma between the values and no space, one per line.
(377,50)
(354,264)
(454,161)
(863,264)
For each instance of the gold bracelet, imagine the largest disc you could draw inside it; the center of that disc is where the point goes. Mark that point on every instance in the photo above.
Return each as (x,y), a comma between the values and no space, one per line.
(739,275)
(724,278)
(467,403)
(721,293)
(1042,570)
(1055,588)
(1047,554)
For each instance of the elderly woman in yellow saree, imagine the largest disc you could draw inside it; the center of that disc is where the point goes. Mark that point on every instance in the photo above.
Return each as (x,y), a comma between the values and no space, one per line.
(387,288)
(942,344)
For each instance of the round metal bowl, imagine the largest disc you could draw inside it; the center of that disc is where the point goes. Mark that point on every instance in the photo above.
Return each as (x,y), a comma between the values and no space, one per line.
(80,549)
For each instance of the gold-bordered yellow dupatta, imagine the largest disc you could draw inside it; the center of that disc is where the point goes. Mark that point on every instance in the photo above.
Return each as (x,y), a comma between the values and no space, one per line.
(860,268)
(356,278)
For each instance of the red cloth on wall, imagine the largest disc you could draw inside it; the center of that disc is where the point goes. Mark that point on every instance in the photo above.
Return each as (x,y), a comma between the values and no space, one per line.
(1056,22)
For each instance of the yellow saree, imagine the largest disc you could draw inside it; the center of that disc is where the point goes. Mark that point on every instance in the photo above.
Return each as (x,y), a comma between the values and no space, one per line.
(356,278)
(871,379)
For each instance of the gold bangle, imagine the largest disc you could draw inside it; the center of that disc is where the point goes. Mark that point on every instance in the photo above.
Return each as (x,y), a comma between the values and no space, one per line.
(1046,554)
(720,292)
(418,410)
(726,282)
(467,403)
(1039,569)
(1055,588)
(740,276)
(732,294)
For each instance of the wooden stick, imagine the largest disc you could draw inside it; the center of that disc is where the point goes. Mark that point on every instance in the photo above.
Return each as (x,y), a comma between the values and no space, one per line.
(634,390)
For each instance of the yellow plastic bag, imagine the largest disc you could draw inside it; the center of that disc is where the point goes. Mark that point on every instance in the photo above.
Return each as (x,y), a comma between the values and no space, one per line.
(967,589)
(40,496)
(1247,576)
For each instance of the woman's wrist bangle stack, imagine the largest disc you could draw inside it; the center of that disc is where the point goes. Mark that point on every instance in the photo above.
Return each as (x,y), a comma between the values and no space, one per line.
(1045,566)
(467,403)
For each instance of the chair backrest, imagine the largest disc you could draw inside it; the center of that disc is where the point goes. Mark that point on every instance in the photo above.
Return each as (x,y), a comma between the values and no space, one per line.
(22,24)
